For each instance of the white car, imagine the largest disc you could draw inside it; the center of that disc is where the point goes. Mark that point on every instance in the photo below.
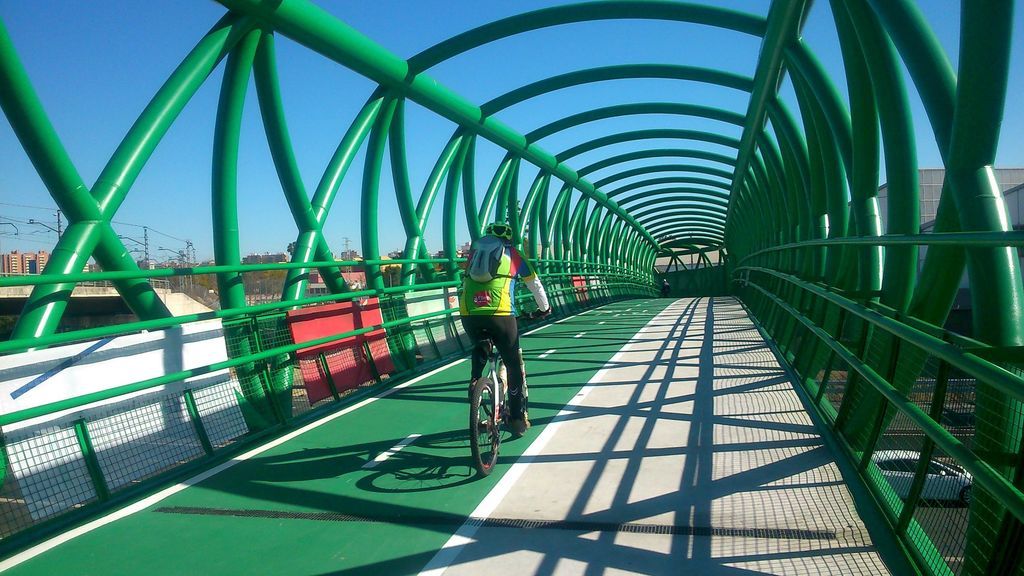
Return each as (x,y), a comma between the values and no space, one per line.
(944,481)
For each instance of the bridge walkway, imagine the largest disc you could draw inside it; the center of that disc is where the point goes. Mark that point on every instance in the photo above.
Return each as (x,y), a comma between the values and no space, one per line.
(666,438)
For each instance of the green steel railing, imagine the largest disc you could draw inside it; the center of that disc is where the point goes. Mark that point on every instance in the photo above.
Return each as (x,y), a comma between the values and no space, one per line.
(790,207)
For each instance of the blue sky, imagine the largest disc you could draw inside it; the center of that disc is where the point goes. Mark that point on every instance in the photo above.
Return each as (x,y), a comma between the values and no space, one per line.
(95,65)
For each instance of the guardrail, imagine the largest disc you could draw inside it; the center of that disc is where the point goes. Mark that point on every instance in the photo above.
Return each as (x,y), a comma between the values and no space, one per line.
(73,457)
(917,408)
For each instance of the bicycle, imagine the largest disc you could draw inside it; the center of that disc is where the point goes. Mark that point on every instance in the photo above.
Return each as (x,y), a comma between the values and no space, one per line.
(488,410)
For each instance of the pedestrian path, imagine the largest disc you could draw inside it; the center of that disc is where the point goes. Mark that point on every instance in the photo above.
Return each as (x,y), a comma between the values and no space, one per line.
(689,453)
(666,438)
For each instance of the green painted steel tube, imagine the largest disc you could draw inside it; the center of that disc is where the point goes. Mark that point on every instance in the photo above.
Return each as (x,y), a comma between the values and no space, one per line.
(785,18)
(499,183)
(674,108)
(652,134)
(620,72)
(683,200)
(540,184)
(318,30)
(451,205)
(307,246)
(242,339)
(45,307)
(981,470)
(22,345)
(832,185)
(899,277)
(201,270)
(509,209)
(368,212)
(584,12)
(708,214)
(863,169)
(441,168)
(681,224)
(310,233)
(225,168)
(411,221)
(708,195)
(78,401)
(643,170)
(1003,381)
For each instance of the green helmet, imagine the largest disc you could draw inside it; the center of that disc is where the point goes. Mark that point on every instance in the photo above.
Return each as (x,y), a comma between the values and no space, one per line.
(499,229)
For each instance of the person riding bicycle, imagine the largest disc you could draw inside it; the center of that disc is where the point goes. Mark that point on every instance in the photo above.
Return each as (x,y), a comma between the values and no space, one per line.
(488,309)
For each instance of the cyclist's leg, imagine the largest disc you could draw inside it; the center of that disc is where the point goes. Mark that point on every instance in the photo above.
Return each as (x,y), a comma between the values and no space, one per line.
(505,334)
(476,328)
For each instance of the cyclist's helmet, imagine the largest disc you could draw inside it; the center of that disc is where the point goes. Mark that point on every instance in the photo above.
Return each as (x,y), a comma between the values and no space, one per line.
(499,229)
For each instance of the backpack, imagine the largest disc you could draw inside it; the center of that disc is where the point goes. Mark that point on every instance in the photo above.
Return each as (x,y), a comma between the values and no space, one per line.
(487,254)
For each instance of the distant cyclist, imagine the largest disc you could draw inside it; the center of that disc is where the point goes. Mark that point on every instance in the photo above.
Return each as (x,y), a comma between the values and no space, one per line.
(488,310)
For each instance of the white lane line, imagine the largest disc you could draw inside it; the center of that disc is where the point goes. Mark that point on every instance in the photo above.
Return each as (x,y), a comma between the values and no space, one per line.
(580,335)
(546,354)
(391,452)
(448,553)
(601,322)
(151,500)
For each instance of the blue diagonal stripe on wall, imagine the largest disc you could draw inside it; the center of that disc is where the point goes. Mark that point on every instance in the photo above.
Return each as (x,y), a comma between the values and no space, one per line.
(58,368)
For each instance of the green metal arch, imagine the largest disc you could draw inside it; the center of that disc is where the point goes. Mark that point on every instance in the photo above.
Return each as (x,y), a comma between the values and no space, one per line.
(659,153)
(559,15)
(661,182)
(681,229)
(796,213)
(643,170)
(680,199)
(620,72)
(697,215)
(652,134)
(682,226)
(669,108)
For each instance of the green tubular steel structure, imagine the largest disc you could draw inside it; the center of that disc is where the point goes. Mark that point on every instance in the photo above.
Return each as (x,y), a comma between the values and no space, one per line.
(789,208)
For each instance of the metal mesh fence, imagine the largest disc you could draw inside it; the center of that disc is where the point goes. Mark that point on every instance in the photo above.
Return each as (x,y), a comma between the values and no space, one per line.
(942,514)
(952,524)
(138,439)
(220,412)
(835,386)
(69,462)
(47,475)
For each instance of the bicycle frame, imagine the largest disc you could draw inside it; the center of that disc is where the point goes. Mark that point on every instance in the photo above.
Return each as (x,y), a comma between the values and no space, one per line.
(501,386)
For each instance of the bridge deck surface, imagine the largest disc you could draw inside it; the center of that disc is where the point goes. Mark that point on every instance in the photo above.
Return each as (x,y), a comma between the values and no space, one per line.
(666,439)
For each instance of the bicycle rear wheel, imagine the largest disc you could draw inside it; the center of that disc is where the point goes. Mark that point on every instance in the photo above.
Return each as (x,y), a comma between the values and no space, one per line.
(484,427)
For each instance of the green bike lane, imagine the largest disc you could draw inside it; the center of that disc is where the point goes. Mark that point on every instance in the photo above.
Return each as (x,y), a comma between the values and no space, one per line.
(315,502)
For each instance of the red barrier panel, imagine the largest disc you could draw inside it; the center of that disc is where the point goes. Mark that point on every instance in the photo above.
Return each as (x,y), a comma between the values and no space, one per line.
(580,284)
(346,361)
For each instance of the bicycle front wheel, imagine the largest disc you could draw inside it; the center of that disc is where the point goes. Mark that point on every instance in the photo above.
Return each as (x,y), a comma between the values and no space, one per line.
(484,428)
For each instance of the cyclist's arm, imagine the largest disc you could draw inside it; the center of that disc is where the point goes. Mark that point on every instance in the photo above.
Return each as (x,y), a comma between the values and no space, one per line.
(531,280)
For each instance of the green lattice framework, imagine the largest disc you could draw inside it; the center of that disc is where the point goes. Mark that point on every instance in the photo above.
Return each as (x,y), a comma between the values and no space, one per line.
(793,214)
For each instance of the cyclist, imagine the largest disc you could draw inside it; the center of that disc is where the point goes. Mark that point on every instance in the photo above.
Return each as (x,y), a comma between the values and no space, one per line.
(488,310)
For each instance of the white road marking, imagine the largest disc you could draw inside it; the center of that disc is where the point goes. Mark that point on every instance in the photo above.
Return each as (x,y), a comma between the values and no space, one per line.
(601,322)
(151,500)
(51,543)
(391,452)
(448,553)
(580,335)
(546,354)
